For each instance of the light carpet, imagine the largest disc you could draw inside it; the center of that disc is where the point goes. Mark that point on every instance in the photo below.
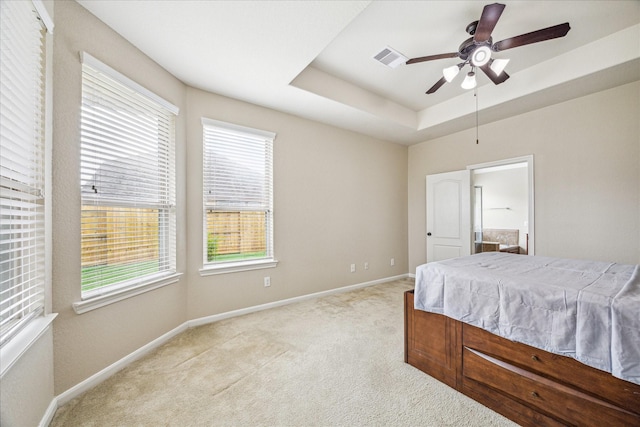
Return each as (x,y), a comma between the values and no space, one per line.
(331,361)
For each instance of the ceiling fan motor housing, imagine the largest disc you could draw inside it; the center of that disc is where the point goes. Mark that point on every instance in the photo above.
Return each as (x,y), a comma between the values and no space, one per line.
(468,47)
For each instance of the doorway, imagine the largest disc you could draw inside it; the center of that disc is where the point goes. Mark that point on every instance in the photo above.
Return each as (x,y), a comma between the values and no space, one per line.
(460,207)
(502,206)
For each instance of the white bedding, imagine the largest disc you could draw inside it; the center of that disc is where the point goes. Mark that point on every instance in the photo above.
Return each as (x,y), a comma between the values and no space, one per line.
(587,310)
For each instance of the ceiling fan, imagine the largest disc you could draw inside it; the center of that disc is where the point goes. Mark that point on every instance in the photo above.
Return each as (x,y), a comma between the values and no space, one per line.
(476,50)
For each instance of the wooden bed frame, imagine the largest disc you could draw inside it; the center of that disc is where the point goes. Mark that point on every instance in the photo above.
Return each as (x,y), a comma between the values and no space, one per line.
(529,386)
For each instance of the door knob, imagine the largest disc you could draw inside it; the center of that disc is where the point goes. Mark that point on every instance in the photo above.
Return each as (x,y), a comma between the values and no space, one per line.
(429,234)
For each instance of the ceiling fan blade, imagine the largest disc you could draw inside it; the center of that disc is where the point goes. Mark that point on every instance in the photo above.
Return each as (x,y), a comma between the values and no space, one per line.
(490,15)
(554,32)
(495,78)
(432,57)
(437,86)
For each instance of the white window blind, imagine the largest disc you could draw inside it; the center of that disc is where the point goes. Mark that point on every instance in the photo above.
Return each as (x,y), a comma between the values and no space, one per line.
(127,173)
(22,158)
(238,193)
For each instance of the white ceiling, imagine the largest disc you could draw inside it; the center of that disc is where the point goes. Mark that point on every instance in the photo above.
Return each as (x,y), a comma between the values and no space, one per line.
(315,58)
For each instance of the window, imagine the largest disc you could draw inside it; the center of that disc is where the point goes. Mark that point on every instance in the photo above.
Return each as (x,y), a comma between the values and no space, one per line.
(238,197)
(127,177)
(22,165)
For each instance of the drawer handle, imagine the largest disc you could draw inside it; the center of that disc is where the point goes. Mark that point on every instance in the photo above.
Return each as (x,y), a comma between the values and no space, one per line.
(534,394)
(535,358)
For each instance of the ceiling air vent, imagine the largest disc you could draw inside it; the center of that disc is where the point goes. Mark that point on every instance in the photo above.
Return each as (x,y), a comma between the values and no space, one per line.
(390,57)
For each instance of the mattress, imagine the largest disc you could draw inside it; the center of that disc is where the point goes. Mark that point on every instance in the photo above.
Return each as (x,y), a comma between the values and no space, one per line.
(588,310)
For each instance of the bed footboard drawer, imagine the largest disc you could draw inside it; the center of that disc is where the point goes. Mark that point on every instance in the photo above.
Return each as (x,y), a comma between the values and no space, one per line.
(563,403)
(530,358)
(558,368)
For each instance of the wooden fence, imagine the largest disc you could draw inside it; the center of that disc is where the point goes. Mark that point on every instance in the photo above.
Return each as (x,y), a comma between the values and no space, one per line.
(118,235)
(236,232)
(112,236)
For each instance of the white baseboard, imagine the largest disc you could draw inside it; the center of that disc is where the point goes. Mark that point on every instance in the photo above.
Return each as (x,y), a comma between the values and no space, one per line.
(49,413)
(240,312)
(99,377)
(110,370)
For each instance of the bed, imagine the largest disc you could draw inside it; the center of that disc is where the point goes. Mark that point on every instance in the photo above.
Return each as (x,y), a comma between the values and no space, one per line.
(543,341)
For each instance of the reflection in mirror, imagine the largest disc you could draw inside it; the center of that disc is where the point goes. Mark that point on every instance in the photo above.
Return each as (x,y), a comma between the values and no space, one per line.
(501,207)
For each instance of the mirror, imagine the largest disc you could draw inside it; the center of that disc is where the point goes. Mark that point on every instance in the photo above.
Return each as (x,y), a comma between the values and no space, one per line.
(502,206)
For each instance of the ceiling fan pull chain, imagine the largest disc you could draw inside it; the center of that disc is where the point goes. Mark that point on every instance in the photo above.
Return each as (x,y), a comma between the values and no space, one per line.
(475,94)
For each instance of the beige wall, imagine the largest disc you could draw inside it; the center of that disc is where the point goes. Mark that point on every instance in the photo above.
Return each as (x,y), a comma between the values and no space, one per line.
(339,198)
(587,174)
(84,344)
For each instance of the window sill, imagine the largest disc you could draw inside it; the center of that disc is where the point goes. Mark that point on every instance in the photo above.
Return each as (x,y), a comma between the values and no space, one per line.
(94,302)
(234,267)
(16,347)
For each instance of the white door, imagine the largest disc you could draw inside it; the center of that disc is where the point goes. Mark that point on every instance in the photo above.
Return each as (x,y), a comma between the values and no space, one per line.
(448,215)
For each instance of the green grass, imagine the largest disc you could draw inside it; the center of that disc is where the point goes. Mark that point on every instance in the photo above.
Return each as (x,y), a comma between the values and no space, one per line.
(237,256)
(105,275)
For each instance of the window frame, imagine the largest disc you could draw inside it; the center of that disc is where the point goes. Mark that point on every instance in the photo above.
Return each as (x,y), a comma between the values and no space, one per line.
(29,332)
(269,261)
(110,293)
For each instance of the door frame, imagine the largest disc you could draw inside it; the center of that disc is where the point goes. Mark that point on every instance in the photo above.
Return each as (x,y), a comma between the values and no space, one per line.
(529,160)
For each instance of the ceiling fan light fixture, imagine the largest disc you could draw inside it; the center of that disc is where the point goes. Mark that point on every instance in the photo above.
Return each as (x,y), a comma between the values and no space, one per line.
(481,56)
(497,65)
(469,81)
(450,73)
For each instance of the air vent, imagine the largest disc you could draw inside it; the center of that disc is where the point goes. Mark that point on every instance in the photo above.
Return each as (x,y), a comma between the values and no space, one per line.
(390,57)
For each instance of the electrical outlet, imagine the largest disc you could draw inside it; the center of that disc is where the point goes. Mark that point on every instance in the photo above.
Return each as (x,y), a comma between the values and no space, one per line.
(353,268)
(366,265)
(267,281)
(393,262)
